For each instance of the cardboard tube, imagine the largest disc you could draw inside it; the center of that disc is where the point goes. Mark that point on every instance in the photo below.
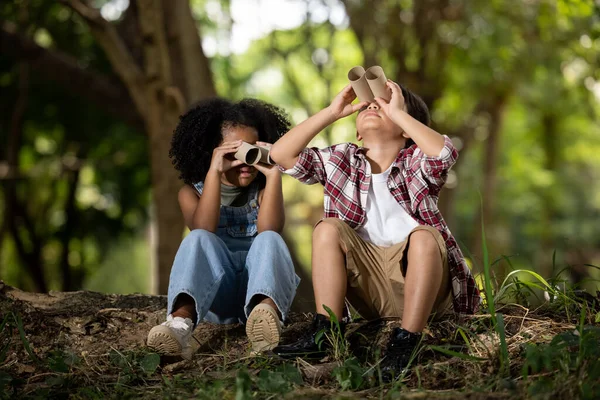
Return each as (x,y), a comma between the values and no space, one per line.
(376,80)
(358,80)
(265,155)
(248,154)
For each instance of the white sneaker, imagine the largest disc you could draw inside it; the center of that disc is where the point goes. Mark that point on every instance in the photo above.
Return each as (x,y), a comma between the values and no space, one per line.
(263,328)
(172,337)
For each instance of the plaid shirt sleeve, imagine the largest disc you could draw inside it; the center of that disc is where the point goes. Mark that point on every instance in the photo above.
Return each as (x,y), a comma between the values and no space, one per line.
(310,167)
(434,169)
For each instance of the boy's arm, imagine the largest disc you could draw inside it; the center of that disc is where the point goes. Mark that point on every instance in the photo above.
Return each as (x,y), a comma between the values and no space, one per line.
(286,150)
(438,152)
(429,141)
(435,169)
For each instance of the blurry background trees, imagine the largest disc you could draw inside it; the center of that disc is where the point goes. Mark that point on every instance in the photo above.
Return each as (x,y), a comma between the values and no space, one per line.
(90,92)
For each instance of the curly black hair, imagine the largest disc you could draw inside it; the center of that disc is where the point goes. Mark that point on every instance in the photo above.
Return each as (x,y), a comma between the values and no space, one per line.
(199,132)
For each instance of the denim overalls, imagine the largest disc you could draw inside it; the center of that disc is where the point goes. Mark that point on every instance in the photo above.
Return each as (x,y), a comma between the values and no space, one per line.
(223,271)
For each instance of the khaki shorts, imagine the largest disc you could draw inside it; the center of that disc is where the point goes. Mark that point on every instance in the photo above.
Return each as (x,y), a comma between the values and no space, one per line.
(376,274)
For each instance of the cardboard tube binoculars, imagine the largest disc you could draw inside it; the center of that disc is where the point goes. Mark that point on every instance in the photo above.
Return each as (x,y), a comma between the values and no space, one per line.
(251,154)
(369,84)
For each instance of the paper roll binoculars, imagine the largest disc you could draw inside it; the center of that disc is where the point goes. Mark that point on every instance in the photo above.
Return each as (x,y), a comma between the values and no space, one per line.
(369,84)
(251,154)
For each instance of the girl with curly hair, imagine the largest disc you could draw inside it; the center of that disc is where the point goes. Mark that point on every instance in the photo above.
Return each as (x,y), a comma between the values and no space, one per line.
(233,266)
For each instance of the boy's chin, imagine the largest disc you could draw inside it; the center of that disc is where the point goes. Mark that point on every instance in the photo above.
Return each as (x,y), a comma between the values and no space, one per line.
(381,136)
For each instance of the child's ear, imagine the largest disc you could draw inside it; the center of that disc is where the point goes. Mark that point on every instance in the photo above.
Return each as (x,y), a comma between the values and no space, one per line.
(358,137)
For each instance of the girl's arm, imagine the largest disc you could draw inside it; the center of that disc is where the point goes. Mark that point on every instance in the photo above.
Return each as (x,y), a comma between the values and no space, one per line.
(271,214)
(203,212)
(189,201)
(286,150)
(428,140)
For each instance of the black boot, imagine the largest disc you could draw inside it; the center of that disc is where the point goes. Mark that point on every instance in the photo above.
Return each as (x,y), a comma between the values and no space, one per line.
(398,353)
(313,344)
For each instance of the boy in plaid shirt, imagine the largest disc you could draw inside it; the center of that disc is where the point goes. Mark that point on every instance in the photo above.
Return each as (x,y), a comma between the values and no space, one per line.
(383,243)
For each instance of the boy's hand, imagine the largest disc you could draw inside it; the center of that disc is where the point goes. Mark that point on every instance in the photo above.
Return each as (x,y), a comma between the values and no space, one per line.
(267,170)
(342,106)
(396,102)
(222,158)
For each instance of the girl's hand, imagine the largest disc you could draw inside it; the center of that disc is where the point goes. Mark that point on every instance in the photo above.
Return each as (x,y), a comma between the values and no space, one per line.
(267,170)
(222,158)
(396,102)
(341,105)
(263,144)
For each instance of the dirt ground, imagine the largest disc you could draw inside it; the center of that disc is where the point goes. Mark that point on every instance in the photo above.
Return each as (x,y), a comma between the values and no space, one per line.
(92,345)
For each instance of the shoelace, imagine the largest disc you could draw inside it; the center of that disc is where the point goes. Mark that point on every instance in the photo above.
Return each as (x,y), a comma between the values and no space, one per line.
(177,323)
(403,348)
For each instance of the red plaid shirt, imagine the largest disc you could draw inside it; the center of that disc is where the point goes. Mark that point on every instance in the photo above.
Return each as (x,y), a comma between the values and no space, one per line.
(415,182)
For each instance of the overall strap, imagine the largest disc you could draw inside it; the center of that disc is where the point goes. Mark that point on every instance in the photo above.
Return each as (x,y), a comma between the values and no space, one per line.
(199,186)
(253,191)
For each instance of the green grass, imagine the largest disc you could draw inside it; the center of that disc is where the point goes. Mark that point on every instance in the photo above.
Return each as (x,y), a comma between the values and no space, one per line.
(497,318)
(567,359)
(335,337)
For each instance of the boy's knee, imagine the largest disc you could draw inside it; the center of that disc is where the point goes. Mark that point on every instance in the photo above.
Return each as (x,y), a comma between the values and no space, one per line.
(423,241)
(326,231)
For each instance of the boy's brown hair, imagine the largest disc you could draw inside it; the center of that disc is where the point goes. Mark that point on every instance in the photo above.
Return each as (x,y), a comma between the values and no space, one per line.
(416,108)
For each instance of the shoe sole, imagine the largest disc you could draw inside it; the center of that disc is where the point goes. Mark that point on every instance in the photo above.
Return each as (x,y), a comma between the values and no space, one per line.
(161,340)
(263,328)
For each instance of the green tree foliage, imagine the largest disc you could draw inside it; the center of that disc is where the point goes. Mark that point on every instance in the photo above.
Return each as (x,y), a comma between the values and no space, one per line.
(515,84)
(72,187)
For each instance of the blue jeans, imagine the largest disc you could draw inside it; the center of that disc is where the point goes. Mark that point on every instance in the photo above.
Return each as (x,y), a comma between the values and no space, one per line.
(224,284)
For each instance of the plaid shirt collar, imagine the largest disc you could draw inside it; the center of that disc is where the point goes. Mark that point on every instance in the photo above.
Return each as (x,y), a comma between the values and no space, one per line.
(361,153)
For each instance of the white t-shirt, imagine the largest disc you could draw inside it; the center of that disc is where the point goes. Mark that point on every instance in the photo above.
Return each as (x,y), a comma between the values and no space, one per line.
(387,222)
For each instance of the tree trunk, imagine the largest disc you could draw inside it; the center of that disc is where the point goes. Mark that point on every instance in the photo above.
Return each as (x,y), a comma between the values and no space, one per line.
(188,79)
(189,65)
(490,179)
(165,186)
(164,104)
(174,72)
